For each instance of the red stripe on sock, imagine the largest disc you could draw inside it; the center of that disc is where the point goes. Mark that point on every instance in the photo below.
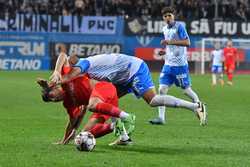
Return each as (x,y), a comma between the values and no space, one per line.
(100,130)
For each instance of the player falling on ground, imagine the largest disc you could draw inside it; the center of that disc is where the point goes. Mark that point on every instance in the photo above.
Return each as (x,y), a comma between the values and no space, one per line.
(76,93)
(81,94)
(217,64)
(130,74)
(230,56)
(175,70)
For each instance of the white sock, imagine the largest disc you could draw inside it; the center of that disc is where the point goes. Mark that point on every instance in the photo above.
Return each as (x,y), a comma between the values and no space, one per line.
(221,77)
(163,89)
(123,115)
(171,101)
(190,93)
(161,112)
(213,79)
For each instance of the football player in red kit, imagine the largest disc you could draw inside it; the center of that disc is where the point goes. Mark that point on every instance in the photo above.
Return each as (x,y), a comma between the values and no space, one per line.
(230,56)
(82,93)
(99,97)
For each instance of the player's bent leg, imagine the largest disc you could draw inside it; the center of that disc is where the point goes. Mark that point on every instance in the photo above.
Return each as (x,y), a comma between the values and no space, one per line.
(97,126)
(101,129)
(123,138)
(191,94)
(129,123)
(230,77)
(160,120)
(202,114)
(171,101)
(214,80)
(91,123)
(128,120)
(221,79)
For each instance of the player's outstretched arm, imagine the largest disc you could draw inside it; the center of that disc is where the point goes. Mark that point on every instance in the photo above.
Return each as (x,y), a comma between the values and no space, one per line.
(73,124)
(184,42)
(81,67)
(61,61)
(75,71)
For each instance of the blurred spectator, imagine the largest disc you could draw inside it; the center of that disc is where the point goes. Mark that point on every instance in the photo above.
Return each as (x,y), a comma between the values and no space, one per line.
(240,13)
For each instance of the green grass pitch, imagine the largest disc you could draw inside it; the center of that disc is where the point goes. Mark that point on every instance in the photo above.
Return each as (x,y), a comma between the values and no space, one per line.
(28,127)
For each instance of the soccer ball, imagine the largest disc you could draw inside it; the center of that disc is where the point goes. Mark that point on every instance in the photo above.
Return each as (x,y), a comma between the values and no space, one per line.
(85,141)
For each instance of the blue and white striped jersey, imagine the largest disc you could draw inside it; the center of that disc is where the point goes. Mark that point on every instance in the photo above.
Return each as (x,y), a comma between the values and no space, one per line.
(217,57)
(175,55)
(115,68)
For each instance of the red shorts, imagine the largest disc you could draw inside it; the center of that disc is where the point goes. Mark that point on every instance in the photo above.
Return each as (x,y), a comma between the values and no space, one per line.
(107,93)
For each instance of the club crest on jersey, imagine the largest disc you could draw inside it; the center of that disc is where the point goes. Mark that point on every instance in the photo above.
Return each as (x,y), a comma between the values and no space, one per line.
(144,40)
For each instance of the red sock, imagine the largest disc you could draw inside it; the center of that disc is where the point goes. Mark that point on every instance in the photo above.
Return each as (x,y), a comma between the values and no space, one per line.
(108,109)
(100,130)
(230,76)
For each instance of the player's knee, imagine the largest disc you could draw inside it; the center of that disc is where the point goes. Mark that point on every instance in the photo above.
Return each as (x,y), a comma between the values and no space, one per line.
(163,89)
(187,90)
(155,101)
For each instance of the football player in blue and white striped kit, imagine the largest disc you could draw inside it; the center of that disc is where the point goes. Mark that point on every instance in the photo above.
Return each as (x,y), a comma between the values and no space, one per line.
(130,74)
(175,70)
(217,64)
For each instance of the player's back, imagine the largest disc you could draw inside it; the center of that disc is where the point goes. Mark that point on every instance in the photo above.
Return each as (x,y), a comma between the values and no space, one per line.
(115,68)
(217,57)
(175,55)
(77,91)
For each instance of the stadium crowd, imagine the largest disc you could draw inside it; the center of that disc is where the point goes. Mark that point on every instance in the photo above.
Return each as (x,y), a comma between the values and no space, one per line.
(191,9)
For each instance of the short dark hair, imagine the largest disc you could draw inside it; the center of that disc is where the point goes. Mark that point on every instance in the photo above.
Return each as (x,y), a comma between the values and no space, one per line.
(45,95)
(168,9)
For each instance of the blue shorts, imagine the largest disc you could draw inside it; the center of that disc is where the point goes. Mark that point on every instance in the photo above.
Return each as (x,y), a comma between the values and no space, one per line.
(216,69)
(178,75)
(140,83)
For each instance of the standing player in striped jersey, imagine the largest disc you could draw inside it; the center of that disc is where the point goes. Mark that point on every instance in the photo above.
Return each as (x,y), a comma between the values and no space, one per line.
(130,74)
(217,64)
(175,70)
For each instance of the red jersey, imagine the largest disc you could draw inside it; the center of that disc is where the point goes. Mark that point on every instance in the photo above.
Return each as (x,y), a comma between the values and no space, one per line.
(77,93)
(230,55)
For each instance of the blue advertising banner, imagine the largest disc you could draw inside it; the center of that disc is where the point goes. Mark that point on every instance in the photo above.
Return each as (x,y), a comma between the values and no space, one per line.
(23,52)
(63,24)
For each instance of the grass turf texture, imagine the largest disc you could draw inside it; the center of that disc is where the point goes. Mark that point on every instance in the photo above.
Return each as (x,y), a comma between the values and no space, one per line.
(28,127)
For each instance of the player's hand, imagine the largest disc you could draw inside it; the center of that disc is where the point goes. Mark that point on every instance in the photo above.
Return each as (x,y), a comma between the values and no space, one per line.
(55,77)
(164,42)
(43,83)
